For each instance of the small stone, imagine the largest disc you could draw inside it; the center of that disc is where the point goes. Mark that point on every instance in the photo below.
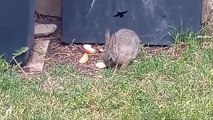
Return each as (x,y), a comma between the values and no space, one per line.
(42,30)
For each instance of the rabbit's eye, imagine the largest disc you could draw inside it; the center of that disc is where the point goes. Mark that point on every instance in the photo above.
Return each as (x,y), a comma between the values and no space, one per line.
(110,59)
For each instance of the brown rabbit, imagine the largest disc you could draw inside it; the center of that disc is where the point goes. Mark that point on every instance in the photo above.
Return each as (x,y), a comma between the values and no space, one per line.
(121,48)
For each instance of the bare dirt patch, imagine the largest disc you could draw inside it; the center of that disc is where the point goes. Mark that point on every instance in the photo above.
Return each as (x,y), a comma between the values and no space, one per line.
(67,53)
(71,54)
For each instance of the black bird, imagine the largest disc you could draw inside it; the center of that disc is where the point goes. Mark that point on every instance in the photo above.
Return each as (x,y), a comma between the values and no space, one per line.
(120,14)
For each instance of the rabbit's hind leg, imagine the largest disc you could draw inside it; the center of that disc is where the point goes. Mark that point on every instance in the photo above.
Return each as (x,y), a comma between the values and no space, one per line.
(124,65)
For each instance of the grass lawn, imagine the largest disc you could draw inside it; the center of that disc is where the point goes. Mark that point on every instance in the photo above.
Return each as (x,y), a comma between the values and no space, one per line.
(153,87)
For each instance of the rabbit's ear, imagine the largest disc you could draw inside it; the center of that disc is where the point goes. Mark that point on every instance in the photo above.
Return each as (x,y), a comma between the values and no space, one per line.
(114,47)
(107,36)
(112,40)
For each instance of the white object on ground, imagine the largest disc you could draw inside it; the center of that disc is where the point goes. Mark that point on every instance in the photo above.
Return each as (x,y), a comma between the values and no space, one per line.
(88,49)
(100,65)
